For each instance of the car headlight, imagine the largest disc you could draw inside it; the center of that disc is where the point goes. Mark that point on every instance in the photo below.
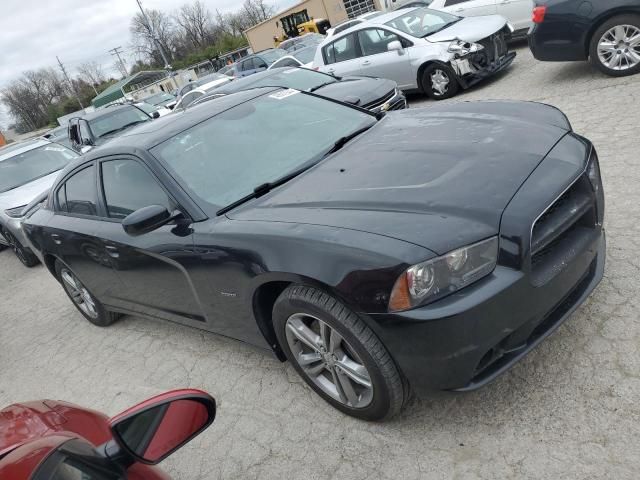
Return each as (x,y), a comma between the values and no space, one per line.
(464,48)
(17,212)
(441,276)
(593,172)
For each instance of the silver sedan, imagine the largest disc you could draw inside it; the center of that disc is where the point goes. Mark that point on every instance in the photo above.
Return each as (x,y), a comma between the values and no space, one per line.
(27,171)
(421,49)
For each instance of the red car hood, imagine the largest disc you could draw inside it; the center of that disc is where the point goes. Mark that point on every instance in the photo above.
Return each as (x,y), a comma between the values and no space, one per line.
(27,421)
(21,423)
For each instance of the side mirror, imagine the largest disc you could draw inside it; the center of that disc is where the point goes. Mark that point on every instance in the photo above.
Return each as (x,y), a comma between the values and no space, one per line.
(147,220)
(156,428)
(155,115)
(395,46)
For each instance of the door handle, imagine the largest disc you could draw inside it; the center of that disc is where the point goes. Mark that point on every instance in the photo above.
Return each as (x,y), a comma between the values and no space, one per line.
(57,239)
(460,9)
(366,62)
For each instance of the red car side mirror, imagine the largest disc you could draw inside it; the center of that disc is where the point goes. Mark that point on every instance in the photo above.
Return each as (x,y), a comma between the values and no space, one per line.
(154,429)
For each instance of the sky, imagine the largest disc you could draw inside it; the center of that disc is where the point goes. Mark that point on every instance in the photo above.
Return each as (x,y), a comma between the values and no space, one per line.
(33,32)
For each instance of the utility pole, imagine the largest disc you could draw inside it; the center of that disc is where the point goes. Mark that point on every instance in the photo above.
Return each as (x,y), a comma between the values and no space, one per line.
(167,65)
(73,89)
(117,51)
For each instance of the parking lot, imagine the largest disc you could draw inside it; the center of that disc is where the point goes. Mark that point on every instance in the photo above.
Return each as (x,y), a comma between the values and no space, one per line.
(570,410)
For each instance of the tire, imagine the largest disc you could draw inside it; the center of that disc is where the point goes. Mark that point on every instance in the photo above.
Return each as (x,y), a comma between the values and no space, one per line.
(89,306)
(26,256)
(344,348)
(441,72)
(605,60)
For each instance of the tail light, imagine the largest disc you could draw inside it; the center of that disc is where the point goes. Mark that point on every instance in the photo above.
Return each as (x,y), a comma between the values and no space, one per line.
(539,13)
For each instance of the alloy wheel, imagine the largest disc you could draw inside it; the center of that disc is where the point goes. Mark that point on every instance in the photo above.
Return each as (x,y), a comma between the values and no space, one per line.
(78,293)
(440,82)
(619,47)
(328,360)
(15,246)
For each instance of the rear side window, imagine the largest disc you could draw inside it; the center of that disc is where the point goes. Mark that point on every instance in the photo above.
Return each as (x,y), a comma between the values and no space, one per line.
(78,194)
(341,50)
(128,186)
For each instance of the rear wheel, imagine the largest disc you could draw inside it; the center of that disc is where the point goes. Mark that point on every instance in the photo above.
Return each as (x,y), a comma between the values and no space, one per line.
(440,82)
(337,354)
(25,255)
(89,306)
(615,46)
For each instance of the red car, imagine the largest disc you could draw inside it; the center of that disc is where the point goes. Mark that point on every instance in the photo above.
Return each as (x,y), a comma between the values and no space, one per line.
(52,440)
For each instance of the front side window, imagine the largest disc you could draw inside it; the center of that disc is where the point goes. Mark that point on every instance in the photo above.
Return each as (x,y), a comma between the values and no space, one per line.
(281,132)
(423,22)
(341,50)
(78,194)
(376,40)
(247,65)
(17,169)
(128,186)
(117,120)
(259,63)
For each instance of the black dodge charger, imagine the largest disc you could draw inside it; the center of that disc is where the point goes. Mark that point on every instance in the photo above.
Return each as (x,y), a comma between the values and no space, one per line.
(418,250)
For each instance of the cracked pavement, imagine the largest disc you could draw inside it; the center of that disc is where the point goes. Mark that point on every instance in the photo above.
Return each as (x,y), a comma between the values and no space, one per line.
(569,410)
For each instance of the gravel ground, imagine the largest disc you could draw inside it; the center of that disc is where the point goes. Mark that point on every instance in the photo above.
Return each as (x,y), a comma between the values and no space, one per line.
(570,410)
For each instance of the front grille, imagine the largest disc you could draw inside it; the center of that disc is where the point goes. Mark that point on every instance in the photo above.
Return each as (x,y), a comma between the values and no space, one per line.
(495,47)
(381,101)
(563,230)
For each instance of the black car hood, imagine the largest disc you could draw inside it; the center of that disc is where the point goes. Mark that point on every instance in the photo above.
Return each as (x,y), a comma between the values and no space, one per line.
(438,177)
(360,91)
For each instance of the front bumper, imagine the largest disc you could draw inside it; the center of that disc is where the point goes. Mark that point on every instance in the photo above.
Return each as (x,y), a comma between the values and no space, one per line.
(465,341)
(469,79)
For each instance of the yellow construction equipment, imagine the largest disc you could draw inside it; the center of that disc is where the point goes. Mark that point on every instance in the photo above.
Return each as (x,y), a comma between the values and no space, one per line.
(299,23)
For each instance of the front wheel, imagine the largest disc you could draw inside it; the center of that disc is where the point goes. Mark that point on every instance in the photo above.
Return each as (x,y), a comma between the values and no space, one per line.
(440,82)
(337,354)
(89,306)
(26,256)
(615,46)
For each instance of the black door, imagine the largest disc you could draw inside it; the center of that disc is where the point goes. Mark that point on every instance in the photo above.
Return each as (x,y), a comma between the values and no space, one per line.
(73,228)
(152,268)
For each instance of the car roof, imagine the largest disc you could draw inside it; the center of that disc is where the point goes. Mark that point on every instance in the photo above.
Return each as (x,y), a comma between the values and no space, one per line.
(387,17)
(16,149)
(150,134)
(100,112)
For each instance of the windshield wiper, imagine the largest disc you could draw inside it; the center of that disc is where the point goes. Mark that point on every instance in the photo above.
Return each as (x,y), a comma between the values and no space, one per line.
(318,87)
(265,188)
(341,142)
(110,132)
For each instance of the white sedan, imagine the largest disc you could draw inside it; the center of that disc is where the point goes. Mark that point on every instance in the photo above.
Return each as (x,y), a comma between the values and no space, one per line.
(420,49)
(517,12)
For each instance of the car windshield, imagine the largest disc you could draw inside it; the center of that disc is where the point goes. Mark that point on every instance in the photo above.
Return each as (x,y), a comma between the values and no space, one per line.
(271,56)
(305,55)
(422,22)
(217,159)
(298,78)
(158,98)
(25,167)
(117,120)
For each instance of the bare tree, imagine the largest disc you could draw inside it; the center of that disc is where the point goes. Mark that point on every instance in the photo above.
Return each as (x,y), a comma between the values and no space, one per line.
(256,11)
(161,26)
(92,72)
(194,20)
